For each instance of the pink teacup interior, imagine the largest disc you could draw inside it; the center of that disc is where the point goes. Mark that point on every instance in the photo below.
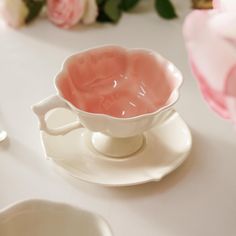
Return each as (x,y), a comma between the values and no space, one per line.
(117,82)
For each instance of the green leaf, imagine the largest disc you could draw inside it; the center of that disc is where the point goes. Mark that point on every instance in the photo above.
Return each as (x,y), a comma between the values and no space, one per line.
(100,2)
(127,5)
(112,9)
(102,17)
(34,7)
(165,9)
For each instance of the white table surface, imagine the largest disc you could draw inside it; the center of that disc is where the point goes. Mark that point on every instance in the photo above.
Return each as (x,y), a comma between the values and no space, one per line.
(197,199)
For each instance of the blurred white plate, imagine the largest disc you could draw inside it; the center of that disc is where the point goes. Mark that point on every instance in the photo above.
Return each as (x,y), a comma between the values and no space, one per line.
(46,218)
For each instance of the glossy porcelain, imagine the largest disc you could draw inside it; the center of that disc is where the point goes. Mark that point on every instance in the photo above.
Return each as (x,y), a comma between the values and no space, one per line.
(46,218)
(116,93)
(165,148)
(117,82)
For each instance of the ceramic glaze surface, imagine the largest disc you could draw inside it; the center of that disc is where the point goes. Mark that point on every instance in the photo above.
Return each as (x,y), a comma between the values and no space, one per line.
(45,218)
(113,90)
(166,147)
(117,82)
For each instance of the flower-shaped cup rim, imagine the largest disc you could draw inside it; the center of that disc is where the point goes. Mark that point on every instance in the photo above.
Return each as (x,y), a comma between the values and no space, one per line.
(106,116)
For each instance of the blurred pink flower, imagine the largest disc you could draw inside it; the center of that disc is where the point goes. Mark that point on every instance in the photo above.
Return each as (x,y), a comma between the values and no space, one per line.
(211,43)
(65,13)
(225,5)
(13,12)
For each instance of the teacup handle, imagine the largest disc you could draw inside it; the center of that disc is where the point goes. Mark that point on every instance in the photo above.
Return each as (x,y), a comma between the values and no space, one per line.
(52,102)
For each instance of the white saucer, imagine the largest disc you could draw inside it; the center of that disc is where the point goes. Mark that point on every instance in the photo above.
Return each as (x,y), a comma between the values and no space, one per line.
(166,147)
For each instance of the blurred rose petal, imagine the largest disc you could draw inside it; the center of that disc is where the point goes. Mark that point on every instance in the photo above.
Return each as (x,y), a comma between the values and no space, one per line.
(65,13)
(211,43)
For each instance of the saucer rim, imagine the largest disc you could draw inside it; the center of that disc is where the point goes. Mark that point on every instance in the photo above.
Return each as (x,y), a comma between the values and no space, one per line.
(149,179)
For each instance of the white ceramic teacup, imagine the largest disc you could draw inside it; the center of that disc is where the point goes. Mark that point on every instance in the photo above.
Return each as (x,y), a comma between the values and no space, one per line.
(117,94)
(47,218)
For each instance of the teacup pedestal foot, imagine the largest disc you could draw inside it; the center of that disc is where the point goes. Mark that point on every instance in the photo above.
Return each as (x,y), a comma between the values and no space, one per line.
(117,147)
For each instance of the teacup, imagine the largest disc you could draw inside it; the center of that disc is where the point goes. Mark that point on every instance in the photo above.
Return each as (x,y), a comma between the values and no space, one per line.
(117,94)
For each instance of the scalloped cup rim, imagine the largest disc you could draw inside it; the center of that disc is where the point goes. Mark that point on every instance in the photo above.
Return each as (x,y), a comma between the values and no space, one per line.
(157,55)
(16,204)
(14,207)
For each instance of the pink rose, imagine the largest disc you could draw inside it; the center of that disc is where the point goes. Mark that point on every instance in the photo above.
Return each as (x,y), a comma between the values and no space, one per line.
(65,13)
(211,43)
